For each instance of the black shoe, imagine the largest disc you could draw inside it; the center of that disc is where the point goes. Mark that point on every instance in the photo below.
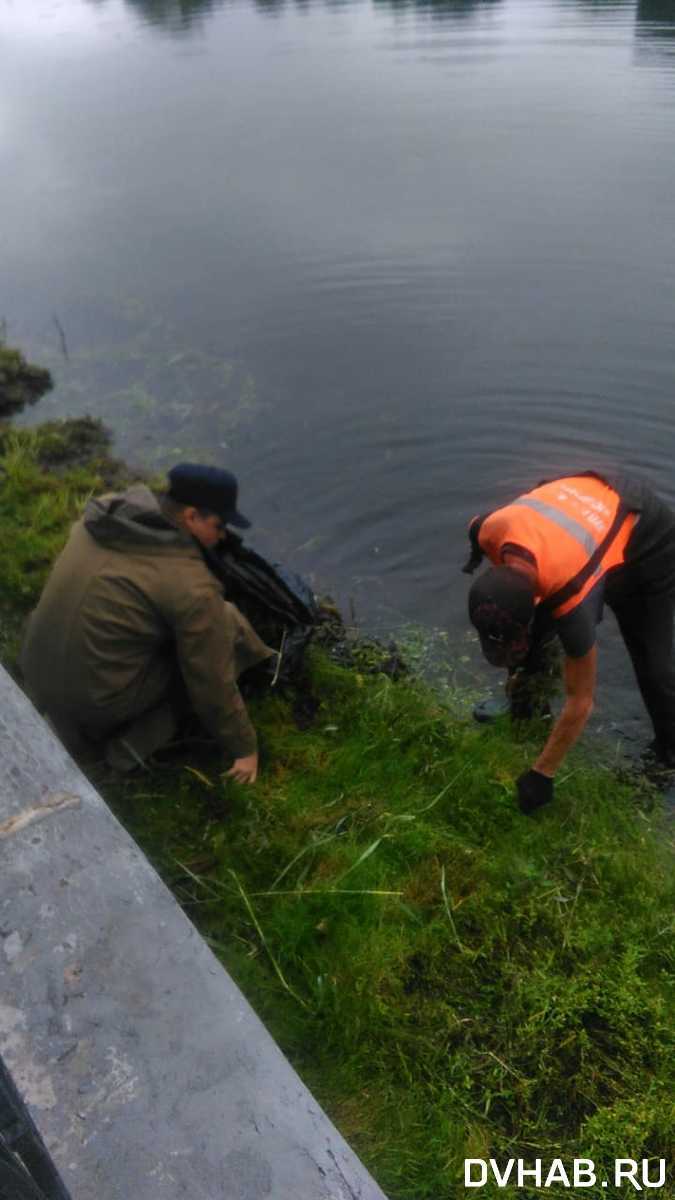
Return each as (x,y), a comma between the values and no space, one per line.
(491,709)
(530,710)
(520,710)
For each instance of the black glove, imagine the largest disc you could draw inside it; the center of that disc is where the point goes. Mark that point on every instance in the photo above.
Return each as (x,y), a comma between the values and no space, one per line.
(534,790)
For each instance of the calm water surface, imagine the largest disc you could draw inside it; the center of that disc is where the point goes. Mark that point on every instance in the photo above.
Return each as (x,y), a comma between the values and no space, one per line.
(392,262)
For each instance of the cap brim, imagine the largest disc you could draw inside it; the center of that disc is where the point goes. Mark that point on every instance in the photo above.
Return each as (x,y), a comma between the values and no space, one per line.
(236,519)
(496,653)
(509,654)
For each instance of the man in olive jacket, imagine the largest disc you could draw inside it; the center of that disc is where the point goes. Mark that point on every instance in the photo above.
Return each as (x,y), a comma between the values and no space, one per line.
(132,629)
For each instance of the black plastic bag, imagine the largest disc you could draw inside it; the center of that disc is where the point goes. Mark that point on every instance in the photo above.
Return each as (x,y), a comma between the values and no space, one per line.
(279,604)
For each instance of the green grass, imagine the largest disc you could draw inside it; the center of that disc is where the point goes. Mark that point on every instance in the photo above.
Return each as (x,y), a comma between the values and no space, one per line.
(450,978)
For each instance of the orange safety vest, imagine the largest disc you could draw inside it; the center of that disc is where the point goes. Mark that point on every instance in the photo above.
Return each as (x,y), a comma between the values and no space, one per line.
(577,530)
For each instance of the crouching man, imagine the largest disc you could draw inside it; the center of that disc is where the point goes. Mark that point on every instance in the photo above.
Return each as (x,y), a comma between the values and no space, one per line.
(132,631)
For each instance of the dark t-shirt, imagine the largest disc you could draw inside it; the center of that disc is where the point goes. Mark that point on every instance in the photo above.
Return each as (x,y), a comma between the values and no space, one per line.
(576,629)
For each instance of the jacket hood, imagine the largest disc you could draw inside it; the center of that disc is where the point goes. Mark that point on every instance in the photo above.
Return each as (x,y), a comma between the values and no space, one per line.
(132,519)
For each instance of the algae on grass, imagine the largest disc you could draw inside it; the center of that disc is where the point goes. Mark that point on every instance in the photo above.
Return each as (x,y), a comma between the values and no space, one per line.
(450,978)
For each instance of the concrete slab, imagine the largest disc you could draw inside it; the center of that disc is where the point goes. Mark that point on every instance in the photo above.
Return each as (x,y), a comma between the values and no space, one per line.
(145,1069)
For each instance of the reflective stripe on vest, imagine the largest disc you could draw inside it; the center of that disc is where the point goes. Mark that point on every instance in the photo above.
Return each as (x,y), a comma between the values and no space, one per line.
(576,528)
(593,565)
(560,518)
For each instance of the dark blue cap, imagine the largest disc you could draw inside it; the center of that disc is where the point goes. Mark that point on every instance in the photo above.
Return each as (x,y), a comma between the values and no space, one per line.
(207,487)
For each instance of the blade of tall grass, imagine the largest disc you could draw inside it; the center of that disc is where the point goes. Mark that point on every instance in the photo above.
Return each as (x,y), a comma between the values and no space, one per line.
(449,913)
(208,884)
(362,857)
(441,794)
(330,892)
(280,975)
(301,854)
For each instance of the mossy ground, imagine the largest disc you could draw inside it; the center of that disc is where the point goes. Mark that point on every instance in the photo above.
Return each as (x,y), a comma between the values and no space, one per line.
(449,978)
(20,382)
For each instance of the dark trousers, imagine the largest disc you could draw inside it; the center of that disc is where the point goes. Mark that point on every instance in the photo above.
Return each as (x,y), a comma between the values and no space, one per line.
(646,624)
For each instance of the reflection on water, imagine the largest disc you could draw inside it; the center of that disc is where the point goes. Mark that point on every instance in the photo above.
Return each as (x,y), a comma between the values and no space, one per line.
(656,18)
(178,16)
(443,9)
(603,6)
(660,14)
(175,15)
(655,31)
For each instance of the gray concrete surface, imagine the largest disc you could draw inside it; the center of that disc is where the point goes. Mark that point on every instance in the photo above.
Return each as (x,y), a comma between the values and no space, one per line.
(143,1066)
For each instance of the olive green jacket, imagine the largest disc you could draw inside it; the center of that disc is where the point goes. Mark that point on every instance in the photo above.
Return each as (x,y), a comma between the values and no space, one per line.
(129,603)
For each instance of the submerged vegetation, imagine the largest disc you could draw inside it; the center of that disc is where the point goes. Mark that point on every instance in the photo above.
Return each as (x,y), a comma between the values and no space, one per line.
(164,398)
(450,979)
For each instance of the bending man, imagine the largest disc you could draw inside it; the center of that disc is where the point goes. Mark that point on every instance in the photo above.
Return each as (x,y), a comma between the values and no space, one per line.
(132,632)
(559,553)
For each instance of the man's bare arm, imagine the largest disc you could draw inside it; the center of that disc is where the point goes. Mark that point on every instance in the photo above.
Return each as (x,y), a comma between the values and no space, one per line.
(579,677)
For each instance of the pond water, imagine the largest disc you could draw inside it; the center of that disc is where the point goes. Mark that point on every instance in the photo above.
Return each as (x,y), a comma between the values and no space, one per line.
(392,262)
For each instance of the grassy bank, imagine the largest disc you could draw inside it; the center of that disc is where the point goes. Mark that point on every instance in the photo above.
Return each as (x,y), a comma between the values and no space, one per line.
(449,978)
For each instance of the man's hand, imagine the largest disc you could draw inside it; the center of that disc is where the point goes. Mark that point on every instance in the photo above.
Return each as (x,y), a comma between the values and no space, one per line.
(534,790)
(244,770)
